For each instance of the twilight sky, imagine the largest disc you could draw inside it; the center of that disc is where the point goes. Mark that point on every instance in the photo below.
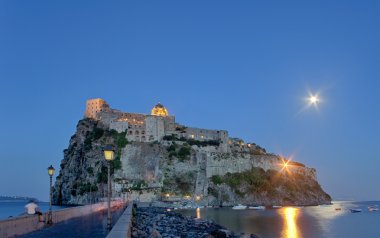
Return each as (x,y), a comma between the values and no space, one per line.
(242,66)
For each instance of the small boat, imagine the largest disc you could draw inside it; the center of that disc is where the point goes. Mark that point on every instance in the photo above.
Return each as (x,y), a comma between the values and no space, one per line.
(338,209)
(276,207)
(239,207)
(355,210)
(373,208)
(257,207)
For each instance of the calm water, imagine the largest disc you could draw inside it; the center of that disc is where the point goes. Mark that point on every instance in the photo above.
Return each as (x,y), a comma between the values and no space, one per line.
(17,207)
(294,222)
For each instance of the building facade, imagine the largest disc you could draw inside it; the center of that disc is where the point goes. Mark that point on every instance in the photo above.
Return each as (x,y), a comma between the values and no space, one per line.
(148,128)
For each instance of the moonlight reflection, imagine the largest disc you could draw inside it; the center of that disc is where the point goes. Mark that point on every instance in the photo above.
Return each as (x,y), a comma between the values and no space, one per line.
(290,229)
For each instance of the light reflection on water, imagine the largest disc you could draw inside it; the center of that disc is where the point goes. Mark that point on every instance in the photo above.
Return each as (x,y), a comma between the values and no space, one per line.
(333,221)
(198,210)
(289,215)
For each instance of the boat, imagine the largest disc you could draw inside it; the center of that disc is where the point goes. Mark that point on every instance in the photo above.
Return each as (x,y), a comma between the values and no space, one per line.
(239,207)
(355,210)
(338,209)
(257,207)
(276,207)
(373,208)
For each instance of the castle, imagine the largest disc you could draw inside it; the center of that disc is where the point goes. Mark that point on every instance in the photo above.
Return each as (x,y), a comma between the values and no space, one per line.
(149,128)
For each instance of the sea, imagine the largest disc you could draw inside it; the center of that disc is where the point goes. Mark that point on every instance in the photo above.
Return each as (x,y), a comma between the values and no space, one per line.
(326,221)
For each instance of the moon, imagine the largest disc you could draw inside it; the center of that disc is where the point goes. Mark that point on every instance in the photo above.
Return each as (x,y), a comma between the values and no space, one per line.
(313,99)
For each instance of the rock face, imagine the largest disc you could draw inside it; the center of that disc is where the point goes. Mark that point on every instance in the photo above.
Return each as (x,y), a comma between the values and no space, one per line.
(179,170)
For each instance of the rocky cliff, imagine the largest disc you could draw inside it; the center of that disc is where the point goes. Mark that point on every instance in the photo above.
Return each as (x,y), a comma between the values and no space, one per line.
(179,169)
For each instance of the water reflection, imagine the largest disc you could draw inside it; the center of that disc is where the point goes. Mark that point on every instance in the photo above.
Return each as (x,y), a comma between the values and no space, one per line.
(290,228)
(198,210)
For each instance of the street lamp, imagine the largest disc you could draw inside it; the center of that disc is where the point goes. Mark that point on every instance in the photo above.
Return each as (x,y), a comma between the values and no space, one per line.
(109,156)
(51,171)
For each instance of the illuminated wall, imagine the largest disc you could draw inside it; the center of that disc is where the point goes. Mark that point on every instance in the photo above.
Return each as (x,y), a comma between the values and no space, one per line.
(146,128)
(95,106)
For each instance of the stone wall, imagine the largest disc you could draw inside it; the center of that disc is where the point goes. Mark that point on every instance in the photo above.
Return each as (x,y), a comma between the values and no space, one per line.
(155,128)
(95,106)
(119,126)
(123,227)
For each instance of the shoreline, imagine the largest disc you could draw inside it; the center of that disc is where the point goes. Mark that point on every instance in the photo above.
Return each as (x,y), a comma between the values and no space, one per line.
(164,222)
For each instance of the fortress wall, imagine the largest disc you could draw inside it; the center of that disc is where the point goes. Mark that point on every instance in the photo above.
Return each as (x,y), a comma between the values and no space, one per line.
(136,132)
(132,118)
(155,128)
(119,126)
(205,134)
(169,123)
(109,116)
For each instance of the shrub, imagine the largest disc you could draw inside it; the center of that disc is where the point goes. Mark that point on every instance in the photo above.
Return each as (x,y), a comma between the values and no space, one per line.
(97,133)
(172,147)
(170,137)
(138,185)
(87,187)
(90,170)
(216,179)
(102,176)
(183,152)
(116,163)
(87,144)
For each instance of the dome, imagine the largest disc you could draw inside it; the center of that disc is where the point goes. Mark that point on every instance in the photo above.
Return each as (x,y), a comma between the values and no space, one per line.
(159,110)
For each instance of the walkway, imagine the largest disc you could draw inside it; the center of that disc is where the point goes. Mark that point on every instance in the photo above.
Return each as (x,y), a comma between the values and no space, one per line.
(94,226)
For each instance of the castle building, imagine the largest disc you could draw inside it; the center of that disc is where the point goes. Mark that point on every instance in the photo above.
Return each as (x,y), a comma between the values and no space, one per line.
(94,106)
(148,128)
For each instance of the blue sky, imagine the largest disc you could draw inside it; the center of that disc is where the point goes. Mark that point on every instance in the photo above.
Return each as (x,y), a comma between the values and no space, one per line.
(242,66)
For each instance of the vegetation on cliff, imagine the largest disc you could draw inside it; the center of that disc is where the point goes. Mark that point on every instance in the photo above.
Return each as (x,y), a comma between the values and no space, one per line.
(268,186)
(83,169)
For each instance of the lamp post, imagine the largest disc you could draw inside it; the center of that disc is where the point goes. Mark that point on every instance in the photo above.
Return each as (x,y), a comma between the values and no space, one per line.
(109,156)
(51,171)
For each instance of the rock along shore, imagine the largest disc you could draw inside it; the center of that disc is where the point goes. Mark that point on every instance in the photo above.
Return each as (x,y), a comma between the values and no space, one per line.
(158,222)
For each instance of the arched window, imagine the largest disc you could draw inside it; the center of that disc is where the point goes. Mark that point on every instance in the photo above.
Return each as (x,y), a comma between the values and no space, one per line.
(137,132)
(143,138)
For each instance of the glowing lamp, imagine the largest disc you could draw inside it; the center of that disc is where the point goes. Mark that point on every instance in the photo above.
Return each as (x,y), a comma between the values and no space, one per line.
(109,153)
(51,170)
